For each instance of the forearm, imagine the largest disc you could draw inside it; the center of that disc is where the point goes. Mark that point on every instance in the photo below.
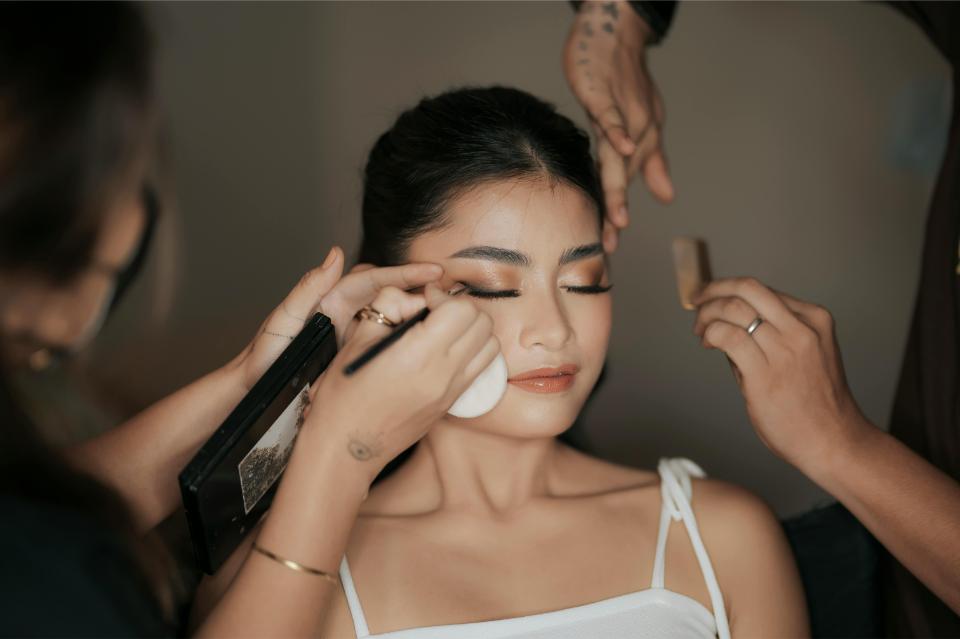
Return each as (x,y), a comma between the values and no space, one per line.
(142,458)
(910,506)
(309,522)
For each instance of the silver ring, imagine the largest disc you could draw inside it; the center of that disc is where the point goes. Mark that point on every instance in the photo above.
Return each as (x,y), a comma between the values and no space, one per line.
(754,325)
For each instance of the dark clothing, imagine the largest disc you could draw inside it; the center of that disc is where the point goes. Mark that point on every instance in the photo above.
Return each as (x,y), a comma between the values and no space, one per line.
(838,562)
(64,575)
(926,415)
(657,15)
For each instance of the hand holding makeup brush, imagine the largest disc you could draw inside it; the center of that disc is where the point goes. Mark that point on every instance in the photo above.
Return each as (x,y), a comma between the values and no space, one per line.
(788,365)
(327,290)
(389,404)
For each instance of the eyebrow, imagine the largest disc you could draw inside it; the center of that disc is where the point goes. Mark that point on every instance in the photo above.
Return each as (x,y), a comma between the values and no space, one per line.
(581,253)
(516,258)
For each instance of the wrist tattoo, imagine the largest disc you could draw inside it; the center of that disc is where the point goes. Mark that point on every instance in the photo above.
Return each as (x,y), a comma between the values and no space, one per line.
(361,450)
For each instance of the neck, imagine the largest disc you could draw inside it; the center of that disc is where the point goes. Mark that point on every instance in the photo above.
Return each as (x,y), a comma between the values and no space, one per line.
(483,473)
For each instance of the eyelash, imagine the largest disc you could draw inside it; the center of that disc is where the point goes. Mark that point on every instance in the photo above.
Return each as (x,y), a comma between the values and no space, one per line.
(595,289)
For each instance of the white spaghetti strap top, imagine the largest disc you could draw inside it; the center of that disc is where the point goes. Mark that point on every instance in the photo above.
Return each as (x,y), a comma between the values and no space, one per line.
(353,601)
(655,613)
(676,491)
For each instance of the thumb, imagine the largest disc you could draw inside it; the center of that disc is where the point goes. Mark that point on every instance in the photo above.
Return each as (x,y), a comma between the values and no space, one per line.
(314,285)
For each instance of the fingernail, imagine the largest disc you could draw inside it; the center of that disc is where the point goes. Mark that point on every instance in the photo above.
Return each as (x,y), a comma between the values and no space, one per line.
(624,214)
(331,256)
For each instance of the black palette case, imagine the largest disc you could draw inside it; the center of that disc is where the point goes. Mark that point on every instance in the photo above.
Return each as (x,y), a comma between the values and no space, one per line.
(230,483)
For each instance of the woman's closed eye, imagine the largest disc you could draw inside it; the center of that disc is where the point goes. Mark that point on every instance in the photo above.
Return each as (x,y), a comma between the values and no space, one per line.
(475,291)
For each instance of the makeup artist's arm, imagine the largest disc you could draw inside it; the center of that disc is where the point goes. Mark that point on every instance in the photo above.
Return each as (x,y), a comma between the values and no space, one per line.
(605,62)
(354,426)
(791,375)
(142,458)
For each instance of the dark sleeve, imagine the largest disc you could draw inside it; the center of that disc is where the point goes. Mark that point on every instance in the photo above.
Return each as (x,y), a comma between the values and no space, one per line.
(658,14)
(838,562)
(940,21)
(63,576)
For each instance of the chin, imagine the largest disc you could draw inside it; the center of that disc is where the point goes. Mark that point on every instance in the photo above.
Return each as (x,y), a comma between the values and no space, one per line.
(530,415)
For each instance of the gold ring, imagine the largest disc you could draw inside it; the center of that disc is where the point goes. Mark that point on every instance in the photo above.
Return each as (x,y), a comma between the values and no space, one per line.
(370,313)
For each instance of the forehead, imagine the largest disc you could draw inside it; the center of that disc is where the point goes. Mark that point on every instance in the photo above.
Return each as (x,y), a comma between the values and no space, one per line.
(541,218)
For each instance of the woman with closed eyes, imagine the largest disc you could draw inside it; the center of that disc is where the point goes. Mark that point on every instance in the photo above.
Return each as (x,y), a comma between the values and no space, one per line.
(491,526)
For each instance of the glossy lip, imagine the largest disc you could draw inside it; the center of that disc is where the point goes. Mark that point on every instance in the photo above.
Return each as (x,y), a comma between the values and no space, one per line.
(547,379)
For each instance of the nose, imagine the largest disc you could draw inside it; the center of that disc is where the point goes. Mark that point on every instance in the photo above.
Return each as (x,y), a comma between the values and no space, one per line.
(545,324)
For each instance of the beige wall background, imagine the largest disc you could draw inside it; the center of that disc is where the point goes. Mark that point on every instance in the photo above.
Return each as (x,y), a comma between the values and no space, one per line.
(800,138)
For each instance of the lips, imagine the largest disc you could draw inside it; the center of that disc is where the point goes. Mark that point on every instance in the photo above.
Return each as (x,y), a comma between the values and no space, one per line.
(546,380)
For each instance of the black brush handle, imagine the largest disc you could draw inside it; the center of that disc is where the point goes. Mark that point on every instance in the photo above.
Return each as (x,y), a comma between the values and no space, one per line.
(384,343)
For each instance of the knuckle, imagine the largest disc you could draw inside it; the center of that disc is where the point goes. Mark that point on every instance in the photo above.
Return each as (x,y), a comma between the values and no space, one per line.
(729,305)
(750,283)
(806,338)
(736,337)
(822,315)
(714,333)
(641,121)
(388,293)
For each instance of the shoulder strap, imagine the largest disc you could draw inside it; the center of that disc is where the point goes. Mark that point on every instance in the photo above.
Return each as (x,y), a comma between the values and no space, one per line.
(353,601)
(676,489)
(666,516)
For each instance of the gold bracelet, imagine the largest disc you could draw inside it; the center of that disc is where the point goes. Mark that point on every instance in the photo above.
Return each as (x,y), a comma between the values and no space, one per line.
(295,566)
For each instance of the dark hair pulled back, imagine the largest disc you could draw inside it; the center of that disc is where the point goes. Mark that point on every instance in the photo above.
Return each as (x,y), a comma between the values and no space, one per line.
(457,140)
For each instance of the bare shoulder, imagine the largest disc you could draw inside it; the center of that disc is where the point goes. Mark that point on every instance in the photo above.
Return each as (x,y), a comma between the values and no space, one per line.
(728,513)
(752,560)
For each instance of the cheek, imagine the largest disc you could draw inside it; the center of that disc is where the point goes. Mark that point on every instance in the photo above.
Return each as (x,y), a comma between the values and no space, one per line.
(591,322)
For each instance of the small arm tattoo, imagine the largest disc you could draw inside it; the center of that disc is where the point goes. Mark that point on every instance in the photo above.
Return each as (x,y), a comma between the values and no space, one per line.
(611,9)
(361,450)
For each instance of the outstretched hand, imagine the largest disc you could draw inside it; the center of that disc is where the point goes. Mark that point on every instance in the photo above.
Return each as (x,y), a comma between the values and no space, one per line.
(605,64)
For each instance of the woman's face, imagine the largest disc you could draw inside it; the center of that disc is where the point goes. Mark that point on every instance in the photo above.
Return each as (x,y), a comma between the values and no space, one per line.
(35,313)
(528,253)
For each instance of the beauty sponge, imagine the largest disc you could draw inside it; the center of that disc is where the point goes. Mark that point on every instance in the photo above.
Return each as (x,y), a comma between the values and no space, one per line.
(485,392)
